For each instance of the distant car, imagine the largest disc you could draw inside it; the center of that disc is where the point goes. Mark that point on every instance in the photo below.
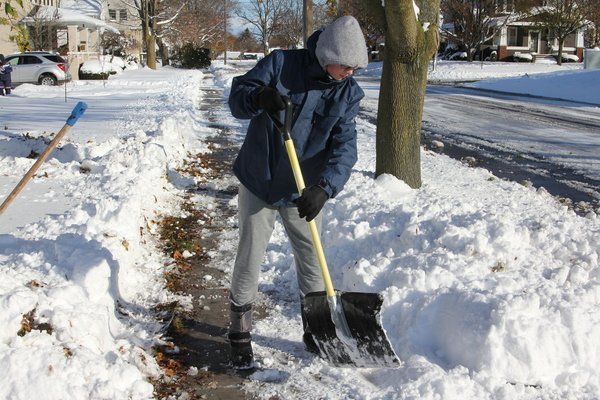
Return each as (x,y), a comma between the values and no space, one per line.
(39,67)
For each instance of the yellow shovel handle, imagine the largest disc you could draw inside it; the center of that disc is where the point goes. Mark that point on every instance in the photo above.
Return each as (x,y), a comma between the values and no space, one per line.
(312,225)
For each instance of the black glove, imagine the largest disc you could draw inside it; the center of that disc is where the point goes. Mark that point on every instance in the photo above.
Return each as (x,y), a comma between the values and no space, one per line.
(312,200)
(269,100)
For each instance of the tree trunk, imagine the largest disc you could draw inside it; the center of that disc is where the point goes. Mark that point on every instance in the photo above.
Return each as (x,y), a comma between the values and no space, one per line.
(470,54)
(399,120)
(151,48)
(561,43)
(150,25)
(408,49)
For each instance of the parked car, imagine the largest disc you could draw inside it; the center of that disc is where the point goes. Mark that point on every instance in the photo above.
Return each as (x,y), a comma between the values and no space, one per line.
(248,56)
(38,67)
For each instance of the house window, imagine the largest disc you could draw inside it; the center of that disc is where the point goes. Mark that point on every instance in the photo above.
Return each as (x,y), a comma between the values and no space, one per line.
(112,15)
(511,36)
(123,15)
(516,36)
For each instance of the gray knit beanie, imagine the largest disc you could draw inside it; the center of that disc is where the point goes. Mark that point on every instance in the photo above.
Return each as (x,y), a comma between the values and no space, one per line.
(342,42)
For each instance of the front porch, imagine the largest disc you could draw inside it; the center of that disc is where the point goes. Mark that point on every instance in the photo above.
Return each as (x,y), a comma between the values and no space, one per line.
(521,37)
(78,36)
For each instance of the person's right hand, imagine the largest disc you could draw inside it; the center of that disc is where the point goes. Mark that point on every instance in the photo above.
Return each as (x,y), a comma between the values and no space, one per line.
(270,100)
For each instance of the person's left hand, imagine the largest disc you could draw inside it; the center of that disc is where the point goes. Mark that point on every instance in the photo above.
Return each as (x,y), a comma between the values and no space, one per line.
(311,202)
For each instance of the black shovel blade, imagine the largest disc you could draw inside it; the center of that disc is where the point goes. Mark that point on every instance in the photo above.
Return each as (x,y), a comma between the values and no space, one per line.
(368,345)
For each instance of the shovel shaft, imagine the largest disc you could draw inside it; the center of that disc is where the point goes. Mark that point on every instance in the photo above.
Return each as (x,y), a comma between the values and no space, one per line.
(312,225)
(314,232)
(34,168)
(75,114)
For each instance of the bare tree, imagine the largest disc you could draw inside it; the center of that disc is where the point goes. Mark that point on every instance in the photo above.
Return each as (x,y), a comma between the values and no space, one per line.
(117,43)
(147,11)
(289,31)
(592,34)
(266,17)
(322,15)
(560,18)
(156,17)
(200,22)
(411,39)
(42,23)
(475,21)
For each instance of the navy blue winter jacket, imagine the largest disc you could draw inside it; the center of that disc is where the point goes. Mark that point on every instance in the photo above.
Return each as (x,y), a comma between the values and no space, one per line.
(324,130)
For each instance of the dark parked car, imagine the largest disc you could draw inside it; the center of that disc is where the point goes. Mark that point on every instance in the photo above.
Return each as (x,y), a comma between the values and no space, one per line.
(38,67)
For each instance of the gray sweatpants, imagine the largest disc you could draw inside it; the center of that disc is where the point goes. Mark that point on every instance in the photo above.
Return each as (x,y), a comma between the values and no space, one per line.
(256,223)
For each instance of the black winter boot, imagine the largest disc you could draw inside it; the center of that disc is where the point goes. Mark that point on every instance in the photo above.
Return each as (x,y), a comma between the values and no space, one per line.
(240,340)
(307,338)
(242,356)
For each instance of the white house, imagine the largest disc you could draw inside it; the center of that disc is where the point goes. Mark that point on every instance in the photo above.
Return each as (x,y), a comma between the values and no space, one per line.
(78,26)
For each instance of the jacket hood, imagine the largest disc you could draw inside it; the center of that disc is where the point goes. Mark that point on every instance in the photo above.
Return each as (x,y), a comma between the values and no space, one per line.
(343,43)
(318,77)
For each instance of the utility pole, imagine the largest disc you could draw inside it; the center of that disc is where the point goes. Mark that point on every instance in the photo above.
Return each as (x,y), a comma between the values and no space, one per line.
(309,25)
(225,36)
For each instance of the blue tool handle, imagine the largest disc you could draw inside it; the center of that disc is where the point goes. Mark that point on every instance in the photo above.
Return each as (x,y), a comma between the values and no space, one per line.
(76,113)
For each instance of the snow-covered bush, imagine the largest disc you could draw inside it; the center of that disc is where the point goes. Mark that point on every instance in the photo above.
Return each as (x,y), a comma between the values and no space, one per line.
(453,52)
(569,58)
(104,66)
(522,57)
(459,55)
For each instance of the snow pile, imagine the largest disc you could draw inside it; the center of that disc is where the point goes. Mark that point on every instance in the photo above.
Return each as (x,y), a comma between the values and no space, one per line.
(452,71)
(583,85)
(480,274)
(107,63)
(77,289)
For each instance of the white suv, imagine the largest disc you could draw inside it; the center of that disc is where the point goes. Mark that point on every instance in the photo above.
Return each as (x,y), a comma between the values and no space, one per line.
(38,67)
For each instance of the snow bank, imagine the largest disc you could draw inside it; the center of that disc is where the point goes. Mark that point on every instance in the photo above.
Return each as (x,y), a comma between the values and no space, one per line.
(67,281)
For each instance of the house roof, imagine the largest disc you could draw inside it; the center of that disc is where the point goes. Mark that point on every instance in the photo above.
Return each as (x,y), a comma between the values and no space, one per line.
(66,17)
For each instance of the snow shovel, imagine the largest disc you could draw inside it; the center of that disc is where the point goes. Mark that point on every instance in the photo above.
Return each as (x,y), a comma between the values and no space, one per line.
(346,326)
(77,112)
